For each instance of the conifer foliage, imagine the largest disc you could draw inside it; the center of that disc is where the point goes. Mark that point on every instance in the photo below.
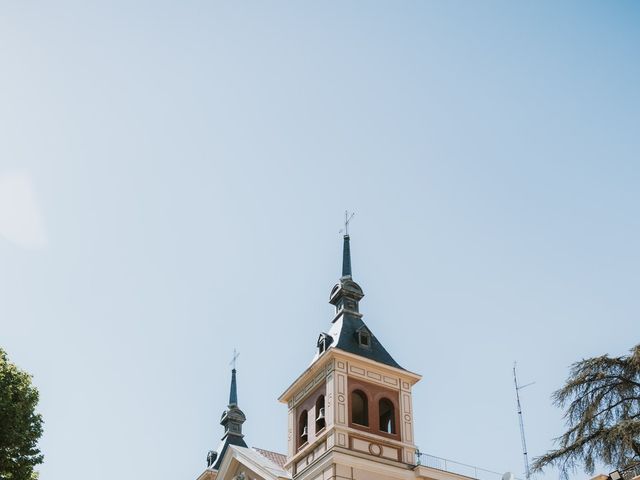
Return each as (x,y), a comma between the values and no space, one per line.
(20,425)
(602,400)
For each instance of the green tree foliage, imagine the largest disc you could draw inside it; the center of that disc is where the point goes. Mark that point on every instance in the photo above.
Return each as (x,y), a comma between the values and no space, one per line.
(20,425)
(602,400)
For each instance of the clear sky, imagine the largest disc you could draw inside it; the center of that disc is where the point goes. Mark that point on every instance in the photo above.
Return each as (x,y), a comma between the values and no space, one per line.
(173,177)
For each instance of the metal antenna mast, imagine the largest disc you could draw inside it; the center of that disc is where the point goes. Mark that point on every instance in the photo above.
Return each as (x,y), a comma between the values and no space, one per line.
(527,473)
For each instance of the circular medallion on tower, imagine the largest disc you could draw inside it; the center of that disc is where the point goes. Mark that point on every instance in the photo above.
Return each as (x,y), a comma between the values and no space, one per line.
(375,449)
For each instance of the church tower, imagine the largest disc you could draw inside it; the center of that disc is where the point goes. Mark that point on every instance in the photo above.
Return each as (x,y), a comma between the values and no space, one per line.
(350,412)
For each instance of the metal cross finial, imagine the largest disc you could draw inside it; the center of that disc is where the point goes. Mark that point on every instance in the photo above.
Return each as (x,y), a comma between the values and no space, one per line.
(347,218)
(235,357)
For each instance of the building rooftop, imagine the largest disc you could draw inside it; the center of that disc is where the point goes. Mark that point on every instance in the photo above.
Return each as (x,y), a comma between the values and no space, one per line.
(348,331)
(277,458)
(269,461)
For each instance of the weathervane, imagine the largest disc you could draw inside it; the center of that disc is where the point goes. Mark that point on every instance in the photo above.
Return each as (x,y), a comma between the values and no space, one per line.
(347,218)
(235,357)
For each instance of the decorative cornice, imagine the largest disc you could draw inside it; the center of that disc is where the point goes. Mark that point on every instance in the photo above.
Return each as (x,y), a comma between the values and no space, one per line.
(331,355)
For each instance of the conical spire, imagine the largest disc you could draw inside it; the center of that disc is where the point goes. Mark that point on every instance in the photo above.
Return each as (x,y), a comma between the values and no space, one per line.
(346,249)
(232,420)
(233,393)
(347,293)
(346,257)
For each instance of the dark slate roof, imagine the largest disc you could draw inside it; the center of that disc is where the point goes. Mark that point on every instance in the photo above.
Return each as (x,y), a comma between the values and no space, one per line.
(344,332)
(222,449)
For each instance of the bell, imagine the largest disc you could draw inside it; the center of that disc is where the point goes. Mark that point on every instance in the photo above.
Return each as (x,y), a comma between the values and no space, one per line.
(320,414)
(304,431)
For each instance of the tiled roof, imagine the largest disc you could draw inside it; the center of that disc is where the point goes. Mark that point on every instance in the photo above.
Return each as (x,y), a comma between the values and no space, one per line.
(277,458)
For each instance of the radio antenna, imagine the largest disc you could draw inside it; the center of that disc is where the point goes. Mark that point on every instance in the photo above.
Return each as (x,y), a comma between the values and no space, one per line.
(527,472)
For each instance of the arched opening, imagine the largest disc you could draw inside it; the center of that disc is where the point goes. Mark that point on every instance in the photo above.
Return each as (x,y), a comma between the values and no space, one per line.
(359,408)
(303,428)
(387,416)
(320,420)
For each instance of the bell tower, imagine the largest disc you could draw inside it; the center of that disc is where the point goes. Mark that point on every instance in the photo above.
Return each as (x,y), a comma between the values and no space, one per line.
(350,412)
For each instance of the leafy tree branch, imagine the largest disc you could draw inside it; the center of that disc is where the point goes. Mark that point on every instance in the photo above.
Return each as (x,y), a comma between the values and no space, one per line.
(602,402)
(20,425)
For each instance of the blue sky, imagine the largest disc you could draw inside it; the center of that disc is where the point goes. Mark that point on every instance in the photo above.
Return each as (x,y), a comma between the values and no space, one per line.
(173,178)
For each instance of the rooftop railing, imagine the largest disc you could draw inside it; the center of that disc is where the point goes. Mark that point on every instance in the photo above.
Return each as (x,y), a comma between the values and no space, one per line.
(626,473)
(452,466)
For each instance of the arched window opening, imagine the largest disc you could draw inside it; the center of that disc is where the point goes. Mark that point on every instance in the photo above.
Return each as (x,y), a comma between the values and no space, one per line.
(387,416)
(359,408)
(320,420)
(303,428)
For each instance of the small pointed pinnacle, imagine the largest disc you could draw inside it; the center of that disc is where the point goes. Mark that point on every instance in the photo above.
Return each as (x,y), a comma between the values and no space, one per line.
(346,257)
(233,394)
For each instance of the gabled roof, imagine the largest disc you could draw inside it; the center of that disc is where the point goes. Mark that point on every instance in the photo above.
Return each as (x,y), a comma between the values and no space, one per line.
(256,461)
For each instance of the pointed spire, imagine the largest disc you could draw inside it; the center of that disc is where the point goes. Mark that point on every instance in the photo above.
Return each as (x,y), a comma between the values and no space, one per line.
(349,332)
(347,293)
(346,257)
(233,393)
(233,418)
(346,248)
